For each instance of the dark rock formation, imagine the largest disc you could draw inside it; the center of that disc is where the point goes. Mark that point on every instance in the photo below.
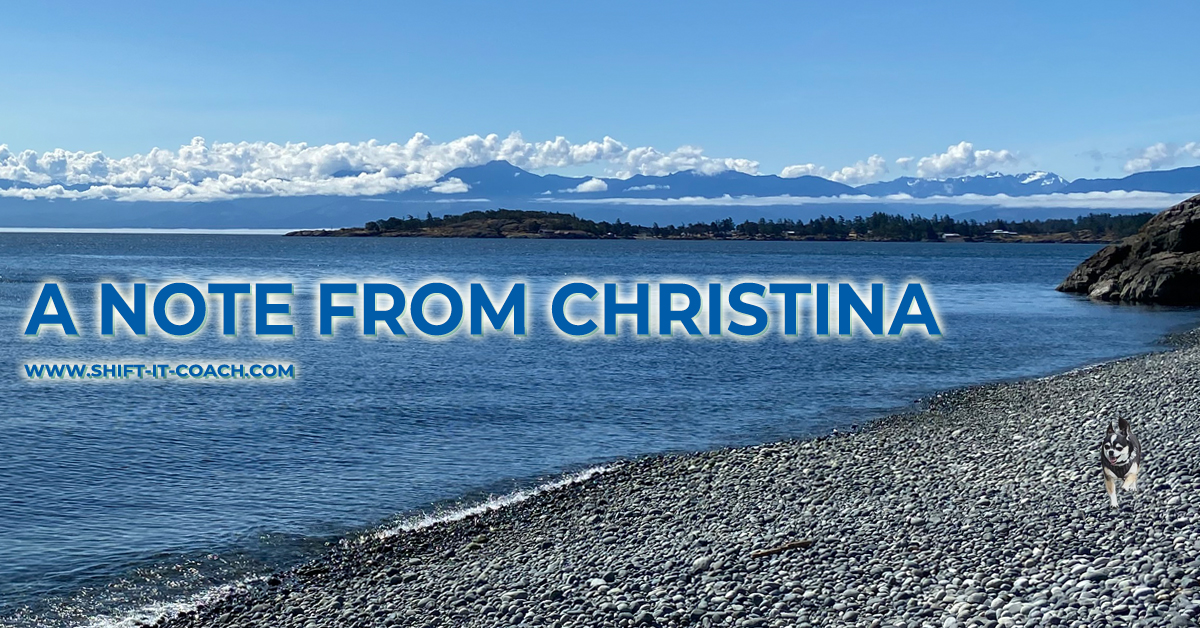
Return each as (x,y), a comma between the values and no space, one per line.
(1158,264)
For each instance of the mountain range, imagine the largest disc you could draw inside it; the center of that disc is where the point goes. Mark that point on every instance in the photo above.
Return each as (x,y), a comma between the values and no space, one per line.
(694,197)
(502,180)
(991,184)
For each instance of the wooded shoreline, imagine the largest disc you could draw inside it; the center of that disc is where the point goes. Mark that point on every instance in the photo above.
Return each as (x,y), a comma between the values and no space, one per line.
(506,223)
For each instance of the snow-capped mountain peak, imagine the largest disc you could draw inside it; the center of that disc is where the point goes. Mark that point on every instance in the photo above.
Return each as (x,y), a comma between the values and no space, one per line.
(989,184)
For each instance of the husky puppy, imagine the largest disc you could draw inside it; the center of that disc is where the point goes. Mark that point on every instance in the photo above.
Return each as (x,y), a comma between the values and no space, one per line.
(1120,458)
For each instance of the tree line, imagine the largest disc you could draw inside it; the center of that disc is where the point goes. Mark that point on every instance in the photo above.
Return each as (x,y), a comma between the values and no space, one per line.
(877,226)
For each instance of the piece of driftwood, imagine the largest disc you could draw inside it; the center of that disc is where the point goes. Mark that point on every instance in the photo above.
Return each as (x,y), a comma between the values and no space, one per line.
(790,545)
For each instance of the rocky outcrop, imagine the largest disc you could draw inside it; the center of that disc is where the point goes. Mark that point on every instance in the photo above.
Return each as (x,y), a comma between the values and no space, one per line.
(1158,264)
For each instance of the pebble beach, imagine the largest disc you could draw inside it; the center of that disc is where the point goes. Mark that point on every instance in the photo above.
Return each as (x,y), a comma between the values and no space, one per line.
(985,508)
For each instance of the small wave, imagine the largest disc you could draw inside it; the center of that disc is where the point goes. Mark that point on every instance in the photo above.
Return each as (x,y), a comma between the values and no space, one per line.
(492,503)
(153,612)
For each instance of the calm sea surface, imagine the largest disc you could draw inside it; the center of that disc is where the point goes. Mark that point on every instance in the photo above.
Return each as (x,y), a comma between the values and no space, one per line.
(119,496)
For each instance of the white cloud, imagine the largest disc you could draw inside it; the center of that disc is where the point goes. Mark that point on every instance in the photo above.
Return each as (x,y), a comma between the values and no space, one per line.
(962,159)
(202,171)
(591,185)
(903,162)
(861,172)
(453,185)
(1153,157)
(802,170)
(1162,155)
(647,187)
(648,161)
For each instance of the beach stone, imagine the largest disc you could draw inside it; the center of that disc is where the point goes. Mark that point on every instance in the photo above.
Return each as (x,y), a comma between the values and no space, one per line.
(817,532)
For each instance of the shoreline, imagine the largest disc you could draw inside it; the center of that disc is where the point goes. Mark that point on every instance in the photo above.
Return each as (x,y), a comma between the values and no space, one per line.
(877,527)
(332,232)
(879,227)
(356,232)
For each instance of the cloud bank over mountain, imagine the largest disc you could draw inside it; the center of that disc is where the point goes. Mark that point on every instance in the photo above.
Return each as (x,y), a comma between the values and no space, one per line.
(1085,201)
(204,171)
(959,160)
(591,185)
(963,159)
(867,171)
(201,171)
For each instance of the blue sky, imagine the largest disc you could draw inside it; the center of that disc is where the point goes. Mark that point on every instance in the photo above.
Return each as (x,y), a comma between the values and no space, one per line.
(782,83)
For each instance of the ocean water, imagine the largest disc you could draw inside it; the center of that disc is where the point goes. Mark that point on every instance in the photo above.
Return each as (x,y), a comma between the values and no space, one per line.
(118,498)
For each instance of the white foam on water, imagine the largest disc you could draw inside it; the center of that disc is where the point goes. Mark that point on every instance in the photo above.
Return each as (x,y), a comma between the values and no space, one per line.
(492,503)
(153,612)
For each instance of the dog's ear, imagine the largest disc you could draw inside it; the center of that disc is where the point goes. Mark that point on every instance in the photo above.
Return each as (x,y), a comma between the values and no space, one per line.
(1123,426)
(1110,429)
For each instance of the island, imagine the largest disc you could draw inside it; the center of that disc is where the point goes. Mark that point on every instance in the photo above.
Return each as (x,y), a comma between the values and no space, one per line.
(878,227)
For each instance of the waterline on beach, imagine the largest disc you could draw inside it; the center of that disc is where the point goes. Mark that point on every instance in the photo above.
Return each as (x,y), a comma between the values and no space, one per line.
(490,504)
(166,609)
